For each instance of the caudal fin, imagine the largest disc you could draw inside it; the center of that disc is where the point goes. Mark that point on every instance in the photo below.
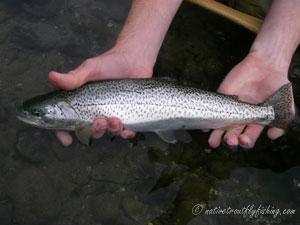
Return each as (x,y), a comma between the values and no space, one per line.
(283,105)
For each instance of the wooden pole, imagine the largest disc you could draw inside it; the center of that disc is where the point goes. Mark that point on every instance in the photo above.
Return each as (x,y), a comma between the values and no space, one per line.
(249,22)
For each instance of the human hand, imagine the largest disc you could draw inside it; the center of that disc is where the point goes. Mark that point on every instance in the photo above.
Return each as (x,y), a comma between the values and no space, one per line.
(253,81)
(113,64)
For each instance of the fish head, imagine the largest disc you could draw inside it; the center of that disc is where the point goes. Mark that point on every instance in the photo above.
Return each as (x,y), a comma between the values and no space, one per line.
(47,112)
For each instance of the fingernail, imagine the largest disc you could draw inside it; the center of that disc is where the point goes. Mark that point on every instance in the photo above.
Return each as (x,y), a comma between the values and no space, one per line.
(231,140)
(246,144)
(97,129)
(126,136)
(228,141)
(115,126)
(231,147)
(231,143)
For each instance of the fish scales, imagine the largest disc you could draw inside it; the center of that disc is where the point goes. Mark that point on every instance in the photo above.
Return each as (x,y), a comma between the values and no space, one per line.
(148,100)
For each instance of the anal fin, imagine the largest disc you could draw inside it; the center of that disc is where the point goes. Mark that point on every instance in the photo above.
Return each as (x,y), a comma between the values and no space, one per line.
(172,137)
(167,136)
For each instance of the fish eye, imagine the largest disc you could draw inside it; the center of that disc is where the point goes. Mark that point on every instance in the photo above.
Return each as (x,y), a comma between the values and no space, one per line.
(38,112)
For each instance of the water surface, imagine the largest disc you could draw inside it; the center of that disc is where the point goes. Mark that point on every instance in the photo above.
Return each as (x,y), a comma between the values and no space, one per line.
(145,181)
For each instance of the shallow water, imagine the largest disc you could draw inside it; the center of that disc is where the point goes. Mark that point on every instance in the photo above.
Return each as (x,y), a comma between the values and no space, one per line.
(144,181)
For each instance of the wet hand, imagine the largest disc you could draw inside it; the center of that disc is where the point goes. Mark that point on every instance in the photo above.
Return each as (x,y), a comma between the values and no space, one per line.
(253,82)
(111,65)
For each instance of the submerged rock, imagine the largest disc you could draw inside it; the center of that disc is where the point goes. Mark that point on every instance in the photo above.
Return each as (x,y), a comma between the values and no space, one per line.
(5,216)
(76,48)
(32,146)
(39,36)
(6,209)
(136,210)
(143,208)
(106,208)
(45,8)
(3,15)
(3,114)
(213,67)
(4,32)
(34,197)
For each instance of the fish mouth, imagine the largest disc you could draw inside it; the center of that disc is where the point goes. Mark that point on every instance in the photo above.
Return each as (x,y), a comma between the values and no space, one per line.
(28,119)
(33,121)
(39,122)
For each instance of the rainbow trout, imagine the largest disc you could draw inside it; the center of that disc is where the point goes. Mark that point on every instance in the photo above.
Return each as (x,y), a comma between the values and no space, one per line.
(153,104)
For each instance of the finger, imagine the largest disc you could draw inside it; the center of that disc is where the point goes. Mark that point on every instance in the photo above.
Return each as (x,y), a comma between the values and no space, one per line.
(99,127)
(74,78)
(66,81)
(231,136)
(115,126)
(127,134)
(205,130)
(274,132)
(64,137)
(250,135)
(215,138)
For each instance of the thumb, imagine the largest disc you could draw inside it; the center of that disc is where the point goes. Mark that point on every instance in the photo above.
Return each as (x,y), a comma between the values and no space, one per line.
(74,78)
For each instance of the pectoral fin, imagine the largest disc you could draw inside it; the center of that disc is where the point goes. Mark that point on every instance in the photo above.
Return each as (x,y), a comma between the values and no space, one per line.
(183,135)
(84,134)
(167,136)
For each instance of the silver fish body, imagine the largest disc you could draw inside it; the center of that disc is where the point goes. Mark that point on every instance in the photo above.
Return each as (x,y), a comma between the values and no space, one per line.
(148,105)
